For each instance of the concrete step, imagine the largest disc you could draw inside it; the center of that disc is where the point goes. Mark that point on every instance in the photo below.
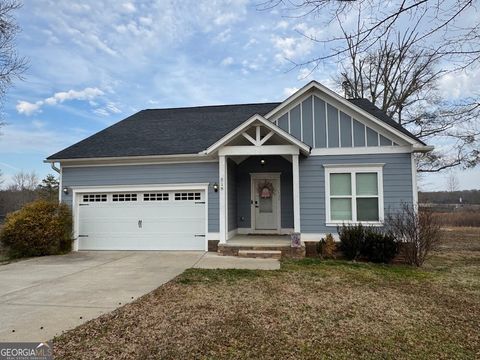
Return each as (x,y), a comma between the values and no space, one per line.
(262,254)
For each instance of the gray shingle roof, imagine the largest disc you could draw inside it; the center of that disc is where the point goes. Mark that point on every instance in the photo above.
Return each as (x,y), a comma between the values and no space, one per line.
(164,131)
(180,130)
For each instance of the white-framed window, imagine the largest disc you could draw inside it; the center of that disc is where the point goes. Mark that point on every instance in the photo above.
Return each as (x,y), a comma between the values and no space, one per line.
(156,197)
(124,197)
(354,194)
(94,198)
(188,196)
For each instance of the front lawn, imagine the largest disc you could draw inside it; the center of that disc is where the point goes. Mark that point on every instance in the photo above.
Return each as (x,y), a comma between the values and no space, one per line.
(310,309)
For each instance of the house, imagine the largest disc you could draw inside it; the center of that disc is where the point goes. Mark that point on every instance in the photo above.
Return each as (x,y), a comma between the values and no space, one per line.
(179,179)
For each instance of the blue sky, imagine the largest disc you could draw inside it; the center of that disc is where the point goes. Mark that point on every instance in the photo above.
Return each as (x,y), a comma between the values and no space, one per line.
(93,63)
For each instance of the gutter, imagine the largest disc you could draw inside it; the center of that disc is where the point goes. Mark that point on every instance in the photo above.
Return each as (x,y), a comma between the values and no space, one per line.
(52,164)
(423,149)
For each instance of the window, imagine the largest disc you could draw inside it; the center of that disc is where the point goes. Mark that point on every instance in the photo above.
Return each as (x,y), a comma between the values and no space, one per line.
(354,194)
(188,196)
(155,197)
(124,197)
(94,198)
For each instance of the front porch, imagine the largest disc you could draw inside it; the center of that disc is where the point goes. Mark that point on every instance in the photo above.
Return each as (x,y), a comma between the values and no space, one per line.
(261,246)
(259,184)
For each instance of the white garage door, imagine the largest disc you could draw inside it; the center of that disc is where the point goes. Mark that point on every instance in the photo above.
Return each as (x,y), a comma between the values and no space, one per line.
(156,220)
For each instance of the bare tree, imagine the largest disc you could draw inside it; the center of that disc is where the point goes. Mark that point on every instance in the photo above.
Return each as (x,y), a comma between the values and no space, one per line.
(2,180)
(418,231)
(402,80)
(395,57)
(24,181)
(12,65)
(452,183)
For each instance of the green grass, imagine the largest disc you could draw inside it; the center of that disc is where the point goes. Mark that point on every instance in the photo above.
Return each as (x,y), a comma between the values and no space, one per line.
(309,309)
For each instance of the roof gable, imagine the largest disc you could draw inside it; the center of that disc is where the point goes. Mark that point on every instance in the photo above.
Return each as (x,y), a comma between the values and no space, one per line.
(361,110)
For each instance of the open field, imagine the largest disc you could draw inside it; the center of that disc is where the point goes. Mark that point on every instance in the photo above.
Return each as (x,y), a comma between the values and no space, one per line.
(310,309)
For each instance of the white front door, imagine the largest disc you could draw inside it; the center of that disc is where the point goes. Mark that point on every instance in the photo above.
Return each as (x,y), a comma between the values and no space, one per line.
(266,203)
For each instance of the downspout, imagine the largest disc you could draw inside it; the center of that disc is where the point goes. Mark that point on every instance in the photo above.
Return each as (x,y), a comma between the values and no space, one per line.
(52,164)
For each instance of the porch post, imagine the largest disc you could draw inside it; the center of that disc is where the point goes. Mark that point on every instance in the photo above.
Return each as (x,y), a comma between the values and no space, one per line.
(296,193)
(222,176)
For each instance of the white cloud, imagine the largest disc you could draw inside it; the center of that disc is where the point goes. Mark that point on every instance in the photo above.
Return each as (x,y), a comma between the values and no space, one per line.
(227,61)
(129,7)
(223,36)
(282,25)
(460,85)
(87,94)
(28,108)
(291,48)
(109,109)
(250,42)
(304,74)
(289,91)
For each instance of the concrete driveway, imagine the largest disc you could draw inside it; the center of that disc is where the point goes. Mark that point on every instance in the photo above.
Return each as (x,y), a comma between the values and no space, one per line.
(41,297)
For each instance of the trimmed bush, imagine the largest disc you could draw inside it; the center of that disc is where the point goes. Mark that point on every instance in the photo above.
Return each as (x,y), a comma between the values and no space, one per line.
(39,228)
(379,248)
(352,238)
(327,247)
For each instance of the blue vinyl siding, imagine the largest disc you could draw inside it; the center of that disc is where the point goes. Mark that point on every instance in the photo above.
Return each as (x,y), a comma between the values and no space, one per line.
(397,185)
(345,130)
(295,126)
(307,121)
(333,129)
(283,122)
(147,174)
(372,137)
(320,123)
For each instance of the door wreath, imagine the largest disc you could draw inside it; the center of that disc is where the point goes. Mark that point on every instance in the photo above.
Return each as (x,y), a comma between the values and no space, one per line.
(265,190)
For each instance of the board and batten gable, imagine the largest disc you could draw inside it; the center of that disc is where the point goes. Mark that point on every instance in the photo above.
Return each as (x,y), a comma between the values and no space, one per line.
(157,174)
(397,185)
(322,123)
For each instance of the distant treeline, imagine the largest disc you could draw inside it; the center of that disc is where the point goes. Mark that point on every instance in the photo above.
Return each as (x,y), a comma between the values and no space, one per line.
(450,197)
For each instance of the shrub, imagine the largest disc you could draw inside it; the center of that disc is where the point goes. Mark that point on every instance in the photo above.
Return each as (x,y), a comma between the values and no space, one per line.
(352,238)
(379,247)
(39,228)
(418,230)
(327,247)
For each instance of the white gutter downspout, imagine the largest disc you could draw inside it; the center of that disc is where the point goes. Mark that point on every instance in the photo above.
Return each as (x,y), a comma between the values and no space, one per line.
(52,164)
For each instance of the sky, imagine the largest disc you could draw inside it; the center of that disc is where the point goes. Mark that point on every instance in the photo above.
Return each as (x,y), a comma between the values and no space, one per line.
(93,63)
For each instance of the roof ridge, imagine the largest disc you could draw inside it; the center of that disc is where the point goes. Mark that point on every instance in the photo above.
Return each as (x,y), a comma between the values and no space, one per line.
(212,106)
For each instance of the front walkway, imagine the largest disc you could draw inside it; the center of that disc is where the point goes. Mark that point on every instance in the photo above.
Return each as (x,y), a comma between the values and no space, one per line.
(41,297)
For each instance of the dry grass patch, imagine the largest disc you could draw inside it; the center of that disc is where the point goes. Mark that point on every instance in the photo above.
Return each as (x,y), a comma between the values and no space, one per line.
(310,309)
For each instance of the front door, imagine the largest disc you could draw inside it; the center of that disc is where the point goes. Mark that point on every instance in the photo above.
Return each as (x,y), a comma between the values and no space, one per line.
(266,203)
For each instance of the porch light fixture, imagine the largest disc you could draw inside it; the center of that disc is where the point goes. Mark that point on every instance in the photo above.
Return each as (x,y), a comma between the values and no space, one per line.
(262,162)
(215,187)
(65,190)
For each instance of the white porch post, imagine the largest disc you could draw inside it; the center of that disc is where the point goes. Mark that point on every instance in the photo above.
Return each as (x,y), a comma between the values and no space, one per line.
(296,193)
(222,176)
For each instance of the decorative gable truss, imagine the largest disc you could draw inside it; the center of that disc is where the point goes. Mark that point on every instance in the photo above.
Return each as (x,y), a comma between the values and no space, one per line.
(324,120)
(322,125)
(258,136)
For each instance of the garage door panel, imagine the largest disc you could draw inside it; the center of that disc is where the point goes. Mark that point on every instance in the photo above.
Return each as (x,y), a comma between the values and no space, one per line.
(165,224)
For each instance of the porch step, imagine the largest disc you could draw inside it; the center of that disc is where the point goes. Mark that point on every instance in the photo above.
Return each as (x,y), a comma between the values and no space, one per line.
(262,254)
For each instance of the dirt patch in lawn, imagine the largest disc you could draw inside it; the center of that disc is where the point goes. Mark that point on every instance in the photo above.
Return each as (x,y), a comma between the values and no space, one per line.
(309,309)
